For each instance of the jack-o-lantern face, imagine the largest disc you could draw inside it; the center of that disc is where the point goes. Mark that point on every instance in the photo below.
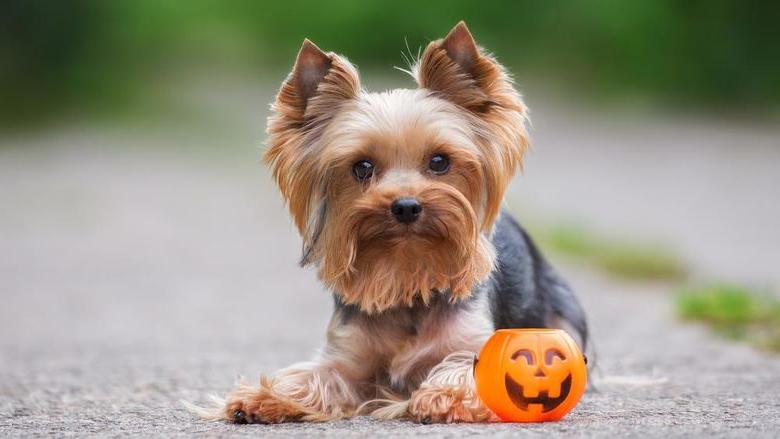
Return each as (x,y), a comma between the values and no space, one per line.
(530,375)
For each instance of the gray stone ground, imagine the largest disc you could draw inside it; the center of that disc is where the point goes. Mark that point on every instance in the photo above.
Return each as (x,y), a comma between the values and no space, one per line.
(132,277)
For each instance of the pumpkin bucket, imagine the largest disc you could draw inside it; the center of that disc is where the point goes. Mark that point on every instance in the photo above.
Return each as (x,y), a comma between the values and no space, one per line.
(530,375)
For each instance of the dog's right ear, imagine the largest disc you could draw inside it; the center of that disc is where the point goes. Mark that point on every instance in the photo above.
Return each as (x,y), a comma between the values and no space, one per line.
(311,65)
(319,84)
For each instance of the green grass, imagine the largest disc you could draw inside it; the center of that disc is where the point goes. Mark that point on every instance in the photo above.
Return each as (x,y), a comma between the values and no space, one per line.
(735,312)
(630,260)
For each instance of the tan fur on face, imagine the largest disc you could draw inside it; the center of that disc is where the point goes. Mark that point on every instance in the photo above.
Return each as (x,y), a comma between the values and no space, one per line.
(367,256)
(466,109)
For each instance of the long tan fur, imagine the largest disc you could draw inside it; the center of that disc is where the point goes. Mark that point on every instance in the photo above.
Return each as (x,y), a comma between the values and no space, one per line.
(403,344)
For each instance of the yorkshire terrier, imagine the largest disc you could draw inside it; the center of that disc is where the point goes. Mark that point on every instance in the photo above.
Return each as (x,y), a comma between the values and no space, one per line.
(397,196)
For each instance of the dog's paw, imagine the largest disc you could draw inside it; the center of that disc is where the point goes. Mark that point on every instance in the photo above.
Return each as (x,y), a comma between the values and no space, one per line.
(447,405)
(253,405)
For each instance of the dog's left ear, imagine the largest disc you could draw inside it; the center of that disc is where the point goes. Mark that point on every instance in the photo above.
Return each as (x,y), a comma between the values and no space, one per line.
(456,69)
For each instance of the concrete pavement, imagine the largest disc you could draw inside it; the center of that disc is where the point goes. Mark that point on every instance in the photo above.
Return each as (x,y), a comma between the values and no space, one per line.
(131,278)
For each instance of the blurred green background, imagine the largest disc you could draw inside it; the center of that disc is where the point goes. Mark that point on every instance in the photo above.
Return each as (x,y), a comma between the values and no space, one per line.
(60,58)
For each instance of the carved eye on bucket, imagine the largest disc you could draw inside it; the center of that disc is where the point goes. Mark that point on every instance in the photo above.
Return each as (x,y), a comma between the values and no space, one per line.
(525,353)
(551,354)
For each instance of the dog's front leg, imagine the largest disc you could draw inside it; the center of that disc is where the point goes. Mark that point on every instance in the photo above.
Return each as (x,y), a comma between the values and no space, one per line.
(325,389)
(449,394)
(311,391)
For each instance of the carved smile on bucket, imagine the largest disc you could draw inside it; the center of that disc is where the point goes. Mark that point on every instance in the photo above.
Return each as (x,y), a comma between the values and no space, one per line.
(517,395)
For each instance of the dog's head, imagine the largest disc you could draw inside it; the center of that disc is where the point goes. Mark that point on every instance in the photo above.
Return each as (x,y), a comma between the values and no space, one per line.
(395,193)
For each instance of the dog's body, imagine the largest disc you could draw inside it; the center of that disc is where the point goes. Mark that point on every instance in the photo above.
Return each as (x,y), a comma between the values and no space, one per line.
(397,196)
(522,292)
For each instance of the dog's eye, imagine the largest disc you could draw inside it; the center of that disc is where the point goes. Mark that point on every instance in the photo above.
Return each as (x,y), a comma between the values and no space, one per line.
(439,164)
(363,170)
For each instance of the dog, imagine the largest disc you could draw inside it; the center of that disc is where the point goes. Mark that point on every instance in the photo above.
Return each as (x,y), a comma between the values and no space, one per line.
(398,199)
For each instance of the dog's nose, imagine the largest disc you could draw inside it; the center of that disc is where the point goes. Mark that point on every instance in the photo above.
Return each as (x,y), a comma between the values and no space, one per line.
(406,210)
